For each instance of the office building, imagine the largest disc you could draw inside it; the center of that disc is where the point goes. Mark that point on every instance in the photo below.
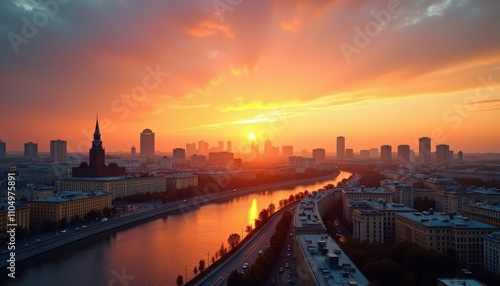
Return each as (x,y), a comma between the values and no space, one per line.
(198,161)
(295,161)
(120,186)
(220,159)
(67,205)
(3,149)
(365,154)
(443,153)
(30,150)
(181,181)
(319,155)
(386,153)
(190,149)
(229,147)
(97,166)
(220,146)
(179,154)
(492,252)
(487,213)
(147,143)
(460,155)
(133,152)
(442,231)
(424,149)
(166,162)
(404,154)
(359,194)
(202,148)
(58,150)
(349,153)
(374,153)
(340,147)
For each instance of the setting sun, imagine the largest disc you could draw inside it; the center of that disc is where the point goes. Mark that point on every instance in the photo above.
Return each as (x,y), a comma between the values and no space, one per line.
(251,136)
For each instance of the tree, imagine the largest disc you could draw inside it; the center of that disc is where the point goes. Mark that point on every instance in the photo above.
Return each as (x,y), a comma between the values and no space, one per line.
(235,278)
(201,265)
(180,280)
(233,240)
(249,228)
(263,215)
(195,270)
(271,208)
(106,211)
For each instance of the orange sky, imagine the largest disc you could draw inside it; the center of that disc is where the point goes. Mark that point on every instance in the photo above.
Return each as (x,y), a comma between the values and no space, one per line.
(294,71)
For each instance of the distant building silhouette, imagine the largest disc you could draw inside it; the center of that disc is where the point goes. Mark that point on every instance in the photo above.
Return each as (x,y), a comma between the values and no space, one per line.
(3,148)
(443,153)
(374,153)
(319,155)
(229,147)
(147,143)
(202,148)
(133,152)
(404,153)
(179,154)
(364,153)
(30,150)
(349,153)
(96,166)
(340,147)
(287,151)
(460,155)
(386,153)
(58,150)
(198,161)
(424,149)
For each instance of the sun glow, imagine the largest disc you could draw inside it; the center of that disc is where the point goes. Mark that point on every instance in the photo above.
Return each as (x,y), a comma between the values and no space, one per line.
(251,136)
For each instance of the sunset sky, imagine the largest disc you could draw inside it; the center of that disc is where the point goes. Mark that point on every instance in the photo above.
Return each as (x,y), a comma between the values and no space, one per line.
(298,72)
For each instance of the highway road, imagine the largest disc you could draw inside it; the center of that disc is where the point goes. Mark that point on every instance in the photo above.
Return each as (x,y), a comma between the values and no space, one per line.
(246,254)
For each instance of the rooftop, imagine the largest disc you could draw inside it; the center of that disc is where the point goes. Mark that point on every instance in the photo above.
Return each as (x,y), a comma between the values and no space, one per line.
(71,196)
(459,282)
(444,220)
(318,249)
(362,190)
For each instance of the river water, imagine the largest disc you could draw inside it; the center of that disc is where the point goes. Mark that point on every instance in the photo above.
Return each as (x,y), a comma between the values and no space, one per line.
(155,252)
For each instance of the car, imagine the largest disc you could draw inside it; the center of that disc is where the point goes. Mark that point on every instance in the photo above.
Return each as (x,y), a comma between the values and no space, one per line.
(273,282)
(281,270)
(26,245)
(245,266)
(336,251)
(221,278)
(287,265)
(77,228)
(64,230)
(260,252)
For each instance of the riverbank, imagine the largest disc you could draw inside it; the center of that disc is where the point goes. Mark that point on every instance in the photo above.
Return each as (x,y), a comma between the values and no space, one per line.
(120,222)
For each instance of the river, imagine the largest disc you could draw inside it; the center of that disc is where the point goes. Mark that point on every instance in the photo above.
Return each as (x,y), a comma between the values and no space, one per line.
(155,252)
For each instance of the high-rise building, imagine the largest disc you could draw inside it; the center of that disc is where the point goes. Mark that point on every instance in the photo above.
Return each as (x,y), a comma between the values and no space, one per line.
(460,155)
(386,153)
(349,153)
(404,154)
(147,143)
(364,153)
(287,151)
(202,147)
(190,149)
(424,149)
(220,146)
(220,159)
(229,147)
(374,153)
(30,150)
(442,153)
(340,147)
(58,150)
(319,155)
(198,161)
(3,149)
(133,151)
(97,166)
(179,154)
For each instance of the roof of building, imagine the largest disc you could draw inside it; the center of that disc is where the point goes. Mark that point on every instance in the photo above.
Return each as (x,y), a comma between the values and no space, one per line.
(494,207)
(444,220)
(345,273)
(180,175)
(362,190)
(485,191)
(105,179)
(494,236)
(459,282)
(71,196)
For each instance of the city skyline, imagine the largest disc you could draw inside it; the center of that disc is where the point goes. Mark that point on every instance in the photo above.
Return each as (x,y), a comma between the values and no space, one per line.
(280,77)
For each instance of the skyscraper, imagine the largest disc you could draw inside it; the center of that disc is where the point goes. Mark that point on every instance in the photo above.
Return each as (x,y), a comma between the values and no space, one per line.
(147,143)
(3,149)
(30,150)
(221,146)
(404,154)
(179,154)
(340,147)
(229,146)
(319,155)
(386,153)
(190,149)
(442,153)
(58,150)
(202,148)
(424,149)
(132,151)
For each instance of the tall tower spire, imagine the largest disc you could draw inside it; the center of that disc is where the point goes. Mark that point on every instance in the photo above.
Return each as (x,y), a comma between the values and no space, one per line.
(96,153)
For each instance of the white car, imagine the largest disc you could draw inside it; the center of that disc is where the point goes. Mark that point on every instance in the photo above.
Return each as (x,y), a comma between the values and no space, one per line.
(245,265)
